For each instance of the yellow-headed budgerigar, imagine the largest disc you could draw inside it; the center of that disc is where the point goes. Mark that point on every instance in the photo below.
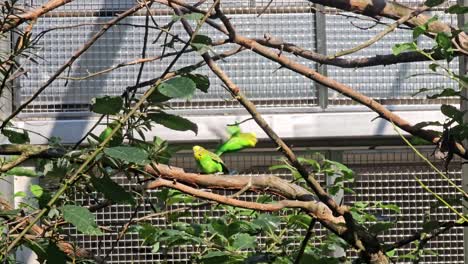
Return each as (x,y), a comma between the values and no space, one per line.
(237,141)
(208,162)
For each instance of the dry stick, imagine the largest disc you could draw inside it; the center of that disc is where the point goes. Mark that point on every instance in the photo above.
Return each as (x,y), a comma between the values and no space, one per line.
(18,19)
(382,34)
(75,177)
(72,59)
(417,236)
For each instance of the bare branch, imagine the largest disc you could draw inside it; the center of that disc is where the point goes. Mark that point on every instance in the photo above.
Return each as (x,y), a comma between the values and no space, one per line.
(16,20)
(347,63)
(382,34)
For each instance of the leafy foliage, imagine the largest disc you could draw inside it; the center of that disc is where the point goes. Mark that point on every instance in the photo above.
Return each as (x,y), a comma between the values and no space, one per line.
(82,219)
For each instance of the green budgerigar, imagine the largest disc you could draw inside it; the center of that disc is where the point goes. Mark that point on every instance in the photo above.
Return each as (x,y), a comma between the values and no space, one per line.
(237,141)
(208,162)
(116,140)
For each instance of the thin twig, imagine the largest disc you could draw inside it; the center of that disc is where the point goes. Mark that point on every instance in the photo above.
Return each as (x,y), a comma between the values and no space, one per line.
(305,241)
(382,34)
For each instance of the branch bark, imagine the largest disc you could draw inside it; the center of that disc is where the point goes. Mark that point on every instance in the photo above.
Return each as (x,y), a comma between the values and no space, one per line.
(377,60)
(16,20)
(393,10)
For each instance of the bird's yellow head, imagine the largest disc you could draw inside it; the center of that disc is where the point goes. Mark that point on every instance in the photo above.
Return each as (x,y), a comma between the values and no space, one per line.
(251,138)
(197,151)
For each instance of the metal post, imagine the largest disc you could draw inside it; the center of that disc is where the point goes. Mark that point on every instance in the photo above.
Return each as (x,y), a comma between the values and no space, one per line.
(6,183)
(463,69)
(321,47)
(336,155)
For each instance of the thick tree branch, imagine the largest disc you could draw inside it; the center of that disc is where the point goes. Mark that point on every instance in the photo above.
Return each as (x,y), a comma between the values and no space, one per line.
(377,60)
(297,196)
(393,10)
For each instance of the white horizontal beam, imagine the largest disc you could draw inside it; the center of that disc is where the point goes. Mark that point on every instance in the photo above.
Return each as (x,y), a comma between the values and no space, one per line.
(312,126)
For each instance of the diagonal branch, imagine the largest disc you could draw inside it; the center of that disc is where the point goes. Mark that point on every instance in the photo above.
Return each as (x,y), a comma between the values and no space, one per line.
(377,60)
(14,21)
(382,34)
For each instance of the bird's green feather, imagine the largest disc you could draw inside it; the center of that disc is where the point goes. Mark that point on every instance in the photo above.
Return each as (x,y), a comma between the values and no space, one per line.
(208,162)
(237,142)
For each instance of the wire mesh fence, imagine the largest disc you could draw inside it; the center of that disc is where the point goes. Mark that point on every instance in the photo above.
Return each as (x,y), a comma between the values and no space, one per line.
(263,81)
(386,175)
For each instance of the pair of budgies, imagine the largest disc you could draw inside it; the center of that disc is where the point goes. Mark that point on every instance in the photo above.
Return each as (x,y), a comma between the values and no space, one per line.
(210,162)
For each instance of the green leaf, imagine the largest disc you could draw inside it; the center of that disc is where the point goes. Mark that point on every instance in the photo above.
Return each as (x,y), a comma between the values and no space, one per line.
(55,255)
(128,154)
(215,257)
(267,222)
(434,66)
(417,141)
(443,41)
(347,172)
(452,112)
(448,92)
(21,171)
(178,87)
(20,194)
(418,31)
(431,3)
(16,136)
(82,219)
(201,43)
(112,190)
(243,241)
(57,169)
(202,82)
(157,97)
(457,9)
(193,16)
(107,105)
(299,221)
(36,190)
(403,47)
(392,207)
(173,122)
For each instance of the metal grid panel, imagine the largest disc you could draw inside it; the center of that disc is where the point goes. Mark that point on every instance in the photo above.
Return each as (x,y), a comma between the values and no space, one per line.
(382,175)
(388,176)
(386,83)
(258,77)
